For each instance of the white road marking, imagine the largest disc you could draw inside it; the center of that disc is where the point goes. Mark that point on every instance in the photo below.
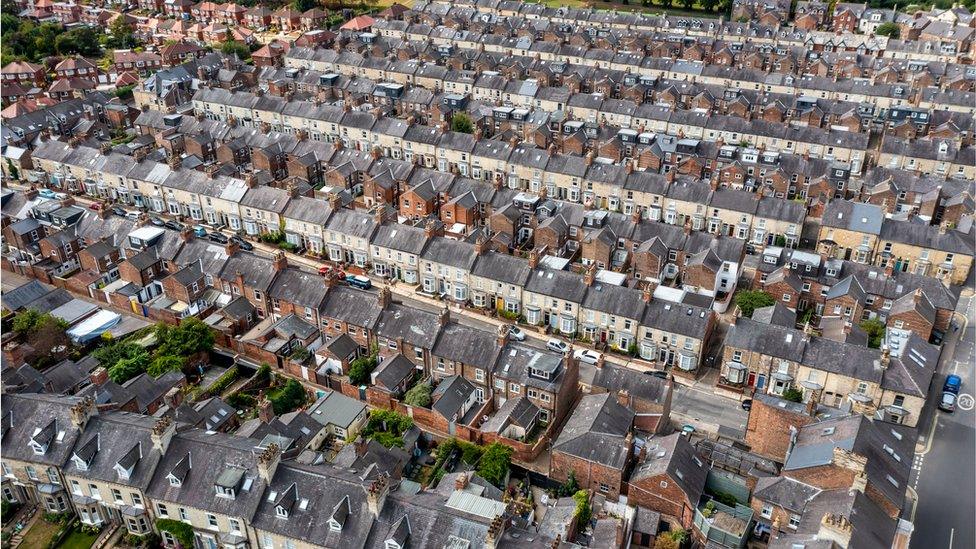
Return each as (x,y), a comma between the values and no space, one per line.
(952,534)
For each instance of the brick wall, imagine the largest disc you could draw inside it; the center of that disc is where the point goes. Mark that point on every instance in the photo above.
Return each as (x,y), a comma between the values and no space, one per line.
(768,429)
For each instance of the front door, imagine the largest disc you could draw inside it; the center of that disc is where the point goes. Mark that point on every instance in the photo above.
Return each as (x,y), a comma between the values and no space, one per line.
(761,381)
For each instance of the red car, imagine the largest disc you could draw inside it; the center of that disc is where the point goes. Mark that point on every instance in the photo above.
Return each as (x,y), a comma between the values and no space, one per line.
(95,206)
(329,270)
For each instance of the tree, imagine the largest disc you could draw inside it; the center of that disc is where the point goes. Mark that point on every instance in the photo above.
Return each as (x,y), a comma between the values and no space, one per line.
(120,34)
(418,395)
(109,355)
(80,40)
(26,321)
(304,5)
(461,123)
(583,512)
(875,330)
(128,368)
(231,47)
(709,5)
(793,394)
(570,487)
(750,300)
(12,170)
(361,368)
(688,4)
(288,397)
(891,30)
(495,462)
(665,542)
(189,337)
(50,340)
(166,363)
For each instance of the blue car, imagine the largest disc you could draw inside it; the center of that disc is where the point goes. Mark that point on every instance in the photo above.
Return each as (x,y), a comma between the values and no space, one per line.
(47,193)
(199,231)
(952,384)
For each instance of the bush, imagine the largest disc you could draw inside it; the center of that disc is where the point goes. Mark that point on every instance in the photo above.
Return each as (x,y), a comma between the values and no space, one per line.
(241,400)
(570,487)
(166,363)
(583,512)
(891,30)
(508,315)
(361,368)
(288,397)
(189,337)
(387,427)
(300,354)
(461,123)
(793,394)
(181,531)
(224,381)
(418,395)
(726,498)
(875,330)
(8,510)
(495,462)
(750,300)
(128,368)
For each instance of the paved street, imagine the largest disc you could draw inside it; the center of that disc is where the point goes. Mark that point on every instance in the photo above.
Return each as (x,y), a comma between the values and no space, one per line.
(943,475)
(706,411)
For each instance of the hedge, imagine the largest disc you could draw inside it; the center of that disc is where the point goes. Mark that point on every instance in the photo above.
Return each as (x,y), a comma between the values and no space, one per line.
(181,531)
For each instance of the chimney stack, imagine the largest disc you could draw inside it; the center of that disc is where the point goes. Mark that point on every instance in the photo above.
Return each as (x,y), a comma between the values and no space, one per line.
(82,412)
(268,462)
(589,277)
(461,482)
(503,331)
(479,245)
(376,494)
(635,216)
(265,410)
(647,293)
(162,432)
(232,247)
(445,316)
(384,296)
(186,233)
(533,258)
(334,202)
(430,229)
(495,532)
(280,262)
(99,376)
(687,227)
(251,180)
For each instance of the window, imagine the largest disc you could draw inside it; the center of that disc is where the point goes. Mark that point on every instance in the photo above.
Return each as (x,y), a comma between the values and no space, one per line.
(767,510)
(136,499)
(76,488)
(161,510)
(117,496)
(235,526)
(794,520)
(184,516)
(212,520)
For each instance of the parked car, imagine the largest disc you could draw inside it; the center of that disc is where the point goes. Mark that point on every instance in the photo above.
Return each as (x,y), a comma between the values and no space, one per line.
(557,345)
(329,270)
(587,356)
(46,193)
(747,404)
(952,384)
(132,215)
(95,206)
(174,225)
(359,281)
(660,374)
(219,238)
(243,244)
(60,196)
(516,333)
(687,430)
(119,211)
(157,221)
(948,402)
(200,231)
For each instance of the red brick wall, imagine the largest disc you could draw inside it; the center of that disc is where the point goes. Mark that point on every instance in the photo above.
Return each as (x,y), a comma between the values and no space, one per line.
(661,493)
(768,430)
(588,474)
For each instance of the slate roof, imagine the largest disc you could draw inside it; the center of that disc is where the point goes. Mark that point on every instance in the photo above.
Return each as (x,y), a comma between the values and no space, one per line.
(450,395)
(470,346)
(640,386)
(596,431)
(417,327)
(674,456)
(122,438)
(43,417)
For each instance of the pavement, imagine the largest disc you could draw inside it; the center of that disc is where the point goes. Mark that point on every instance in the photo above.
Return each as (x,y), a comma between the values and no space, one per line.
(943,470)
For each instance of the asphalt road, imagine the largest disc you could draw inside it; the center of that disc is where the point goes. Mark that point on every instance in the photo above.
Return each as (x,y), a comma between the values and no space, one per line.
(707,411)
(944,475)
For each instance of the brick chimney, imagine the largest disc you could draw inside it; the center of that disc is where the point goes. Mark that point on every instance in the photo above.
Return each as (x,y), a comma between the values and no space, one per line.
(461,481)
(99,376)
(186,233)
(589,157)
(589,277)
(268,462)
(430,229)
(836,528)
(601,360)
(376,494)
(885,357)
(889,269)
(495,532)
(251,180)
(280,262)
(175,162)
(173,397)
(334,201)
(162,432)
(503,331)
(82,412)
(687,227)
(635,216)
(31,193)
(533,258)
(479,245)
(265,410)
(445,316)
(232,247)
(384,296)
(647,293)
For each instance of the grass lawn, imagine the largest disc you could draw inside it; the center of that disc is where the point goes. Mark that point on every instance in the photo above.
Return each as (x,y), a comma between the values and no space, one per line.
(676,9)
(78,540)
(39,534)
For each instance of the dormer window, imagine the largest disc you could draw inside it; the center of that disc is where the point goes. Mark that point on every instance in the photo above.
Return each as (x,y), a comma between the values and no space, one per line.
(179,472)
(281,512)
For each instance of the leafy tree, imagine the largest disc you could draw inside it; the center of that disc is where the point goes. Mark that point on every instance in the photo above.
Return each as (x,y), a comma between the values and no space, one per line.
(80,40)
(50,340)
(583,511)
(875,330)
(120,34)
(891,30)
(304,5)
(688,4)
(793,394)
(667,3)
(361,368)
(12,170)
(189,337)
(709,5)
(128,368)
(166,363)
(387,427)
(495,462)
(110,355)
(679,535)
(418,395)
(231,47)
(181,531)
(288,397)
(750,300)
(26,321)
(462,123)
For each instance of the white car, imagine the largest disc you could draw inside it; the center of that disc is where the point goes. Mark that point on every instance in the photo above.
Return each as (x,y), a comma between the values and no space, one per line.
(557,345)
(516,333)
(587,356)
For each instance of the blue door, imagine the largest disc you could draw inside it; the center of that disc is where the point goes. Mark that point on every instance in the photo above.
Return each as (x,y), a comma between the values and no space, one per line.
(761,381)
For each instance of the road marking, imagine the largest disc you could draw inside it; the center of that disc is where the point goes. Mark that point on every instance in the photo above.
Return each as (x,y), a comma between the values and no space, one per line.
(952,534)
(929,435)
(966,402)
